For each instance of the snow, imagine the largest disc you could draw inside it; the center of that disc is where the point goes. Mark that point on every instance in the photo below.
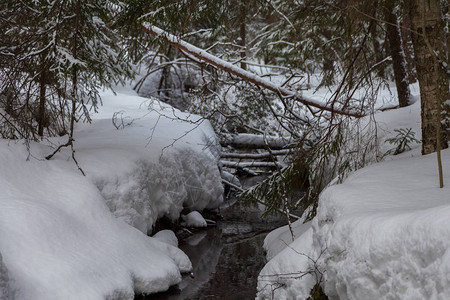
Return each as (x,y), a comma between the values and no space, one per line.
(5,289)
(153,166)
(385,230)
(231,178)
(167,236)
(278,239)
(281,277)
(381,234)
(59,240)
(256,140)
(194,219)
(66,236)
(286,259)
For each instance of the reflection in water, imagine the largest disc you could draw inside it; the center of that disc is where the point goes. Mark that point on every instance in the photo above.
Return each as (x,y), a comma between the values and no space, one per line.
(237,271)
(226,259)
(204,257)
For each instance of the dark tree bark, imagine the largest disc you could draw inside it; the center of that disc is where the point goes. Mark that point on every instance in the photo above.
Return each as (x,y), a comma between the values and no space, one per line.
(408,49)
(41,113)
(429,43)
(376,43)
(398,58)
(242,33)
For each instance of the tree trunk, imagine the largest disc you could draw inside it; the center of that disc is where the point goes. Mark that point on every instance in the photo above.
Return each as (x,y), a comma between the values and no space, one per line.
(165,74)
(428,41)
(242,33)
(398,58)
(377,45)
(408,49)
(43,79)
(74,92)
(41,112)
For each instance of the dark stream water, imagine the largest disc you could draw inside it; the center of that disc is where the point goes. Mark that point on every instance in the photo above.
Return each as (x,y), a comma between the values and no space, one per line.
(227,258)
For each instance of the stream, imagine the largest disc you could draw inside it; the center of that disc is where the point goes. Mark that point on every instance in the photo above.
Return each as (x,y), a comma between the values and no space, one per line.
(226,258)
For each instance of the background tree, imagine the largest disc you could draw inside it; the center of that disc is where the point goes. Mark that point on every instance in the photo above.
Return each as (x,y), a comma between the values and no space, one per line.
(430,56)
(396,47)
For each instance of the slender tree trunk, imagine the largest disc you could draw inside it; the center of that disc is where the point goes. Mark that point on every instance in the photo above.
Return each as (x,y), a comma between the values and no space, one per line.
(377,45)
(242,33)
(74,70)
(350,55)
(398,58)
(428,41)
(408,49)
(42,90)
(165,74)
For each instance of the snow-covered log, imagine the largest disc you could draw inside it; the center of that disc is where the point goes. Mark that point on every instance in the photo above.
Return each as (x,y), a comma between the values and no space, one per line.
(254,141)
(256,155)
(246,75)
(254,164)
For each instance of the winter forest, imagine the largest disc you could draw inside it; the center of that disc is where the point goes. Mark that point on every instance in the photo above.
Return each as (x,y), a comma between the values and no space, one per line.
(204,149)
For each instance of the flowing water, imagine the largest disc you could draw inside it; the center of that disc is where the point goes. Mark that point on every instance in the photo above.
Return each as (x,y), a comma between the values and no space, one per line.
(227,258)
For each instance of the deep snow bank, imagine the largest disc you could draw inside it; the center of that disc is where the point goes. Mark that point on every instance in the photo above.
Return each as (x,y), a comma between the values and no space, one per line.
(382,234)
(386,232)
(58,239)
(285,275)
(158,161)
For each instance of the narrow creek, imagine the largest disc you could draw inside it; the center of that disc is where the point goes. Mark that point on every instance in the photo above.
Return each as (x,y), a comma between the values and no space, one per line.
(226,258)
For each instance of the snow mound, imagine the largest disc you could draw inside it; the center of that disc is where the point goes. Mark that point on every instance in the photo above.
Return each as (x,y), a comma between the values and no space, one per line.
(153,165)
(167,236)
(287,275)
(59,240)
(286,259)
(183,178)
(386,232)
(382,234)
(280,238)
(194,219)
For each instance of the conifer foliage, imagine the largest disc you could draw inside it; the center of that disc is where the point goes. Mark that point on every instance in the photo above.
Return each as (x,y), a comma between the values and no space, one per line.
(54,56)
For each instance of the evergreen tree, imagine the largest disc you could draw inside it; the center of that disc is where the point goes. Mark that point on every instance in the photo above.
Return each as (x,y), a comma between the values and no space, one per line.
(56,54)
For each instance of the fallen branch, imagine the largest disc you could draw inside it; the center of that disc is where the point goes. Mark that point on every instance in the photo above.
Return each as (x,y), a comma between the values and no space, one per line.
(254,141)
(256,155)
(246,75)
(255,164)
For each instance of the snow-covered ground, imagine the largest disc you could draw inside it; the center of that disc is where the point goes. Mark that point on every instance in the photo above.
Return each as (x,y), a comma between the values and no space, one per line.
(381,234)
(155,156)
(66,236)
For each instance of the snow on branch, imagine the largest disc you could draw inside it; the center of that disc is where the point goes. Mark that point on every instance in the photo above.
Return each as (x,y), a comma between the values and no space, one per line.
(255,164)
(255,141)
(246,75)
(256,155)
